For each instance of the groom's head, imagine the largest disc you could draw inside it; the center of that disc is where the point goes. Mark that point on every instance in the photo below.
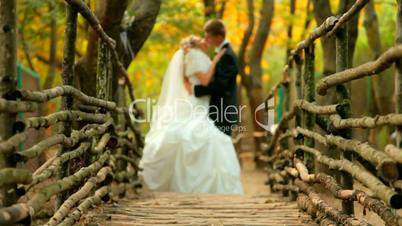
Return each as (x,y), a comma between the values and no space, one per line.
(215,32)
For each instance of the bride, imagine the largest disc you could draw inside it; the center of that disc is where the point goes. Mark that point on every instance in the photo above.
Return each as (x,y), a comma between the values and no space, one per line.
(184,151)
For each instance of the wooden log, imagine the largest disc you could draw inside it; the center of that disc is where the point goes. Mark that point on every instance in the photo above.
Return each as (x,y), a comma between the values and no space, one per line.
(398,73)
(353,11)
(68,76)
(14,213)
(309,95)
(44,194)
(343,96)
(292,171)
(304,203)
(37,201)
(358,172)
(285,187)
(300,104)
(11,106)
(323,207)
(318,32)
(316,109)
(63,116)
(394,152)
(50,170)
(76,137)
(44,166)
(40,147)
(366,122)
(274,89)
(377,206)
(133,162)
(8,146)
(303,171)
(123,142)
(12,176)
(286,117)
(8,83)
(371,68)
(101,144)
(84,191)
(48,94)
(385,165)
(85,206)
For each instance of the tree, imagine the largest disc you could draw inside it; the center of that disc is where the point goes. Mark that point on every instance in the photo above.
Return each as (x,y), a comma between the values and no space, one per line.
(211,10)
(8,78)
(252,82)
(322,10)
(382,98)
(129,37)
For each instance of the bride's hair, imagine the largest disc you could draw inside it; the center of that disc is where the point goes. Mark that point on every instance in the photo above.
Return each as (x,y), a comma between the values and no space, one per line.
(189,42)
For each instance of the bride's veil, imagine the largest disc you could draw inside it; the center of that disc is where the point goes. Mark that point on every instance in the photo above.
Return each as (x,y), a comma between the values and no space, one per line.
(173,103)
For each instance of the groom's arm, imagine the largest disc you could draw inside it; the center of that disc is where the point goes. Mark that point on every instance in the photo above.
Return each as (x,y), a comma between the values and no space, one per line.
(219,84)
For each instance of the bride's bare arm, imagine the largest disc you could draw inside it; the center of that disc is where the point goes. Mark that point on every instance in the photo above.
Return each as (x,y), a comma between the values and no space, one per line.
(205,77)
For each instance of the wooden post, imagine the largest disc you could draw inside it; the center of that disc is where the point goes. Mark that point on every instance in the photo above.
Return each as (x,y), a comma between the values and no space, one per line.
(343,96)
(67,75)
(296,74)
(398,72)
(286,108)
(103,74)
(309,95)
(8,83)
(299,91)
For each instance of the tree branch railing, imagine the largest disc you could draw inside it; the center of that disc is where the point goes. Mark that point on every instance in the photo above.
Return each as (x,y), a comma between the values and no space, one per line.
(101,151)
(293,151)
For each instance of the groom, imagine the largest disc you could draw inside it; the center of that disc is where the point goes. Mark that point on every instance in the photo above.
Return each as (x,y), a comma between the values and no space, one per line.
(222,88)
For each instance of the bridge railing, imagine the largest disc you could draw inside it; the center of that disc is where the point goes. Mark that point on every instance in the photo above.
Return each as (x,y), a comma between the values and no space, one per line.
(99,146)
(297,145)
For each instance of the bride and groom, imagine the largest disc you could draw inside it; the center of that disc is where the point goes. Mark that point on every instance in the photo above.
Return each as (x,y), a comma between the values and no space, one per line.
(188,147)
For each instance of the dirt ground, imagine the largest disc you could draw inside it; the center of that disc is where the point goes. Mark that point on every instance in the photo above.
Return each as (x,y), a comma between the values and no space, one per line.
(253,179)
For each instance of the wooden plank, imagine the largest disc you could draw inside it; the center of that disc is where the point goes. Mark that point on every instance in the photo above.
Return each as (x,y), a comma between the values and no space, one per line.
(199,209)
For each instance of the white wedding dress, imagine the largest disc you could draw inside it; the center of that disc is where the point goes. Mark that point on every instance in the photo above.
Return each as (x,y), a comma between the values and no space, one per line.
(184,151)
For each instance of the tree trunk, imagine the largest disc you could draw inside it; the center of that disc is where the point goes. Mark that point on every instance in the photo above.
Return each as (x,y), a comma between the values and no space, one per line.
(343,93)
(8,82)
(254,91)
(129,41)
(221,10)
(255,94)
(398,72)
(243,46)
(290,28)
(51,74)
(243,76)
(209,9)
(67,75)
(110,14)
(381,86)
(382,99)
(322,10)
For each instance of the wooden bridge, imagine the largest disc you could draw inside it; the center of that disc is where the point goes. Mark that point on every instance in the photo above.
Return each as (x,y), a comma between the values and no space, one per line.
(199,209)
(92,178)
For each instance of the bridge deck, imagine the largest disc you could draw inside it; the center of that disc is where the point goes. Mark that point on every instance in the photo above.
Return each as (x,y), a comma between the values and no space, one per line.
(198,209)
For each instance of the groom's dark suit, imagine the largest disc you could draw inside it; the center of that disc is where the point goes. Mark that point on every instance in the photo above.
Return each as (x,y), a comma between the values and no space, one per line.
(222,88)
